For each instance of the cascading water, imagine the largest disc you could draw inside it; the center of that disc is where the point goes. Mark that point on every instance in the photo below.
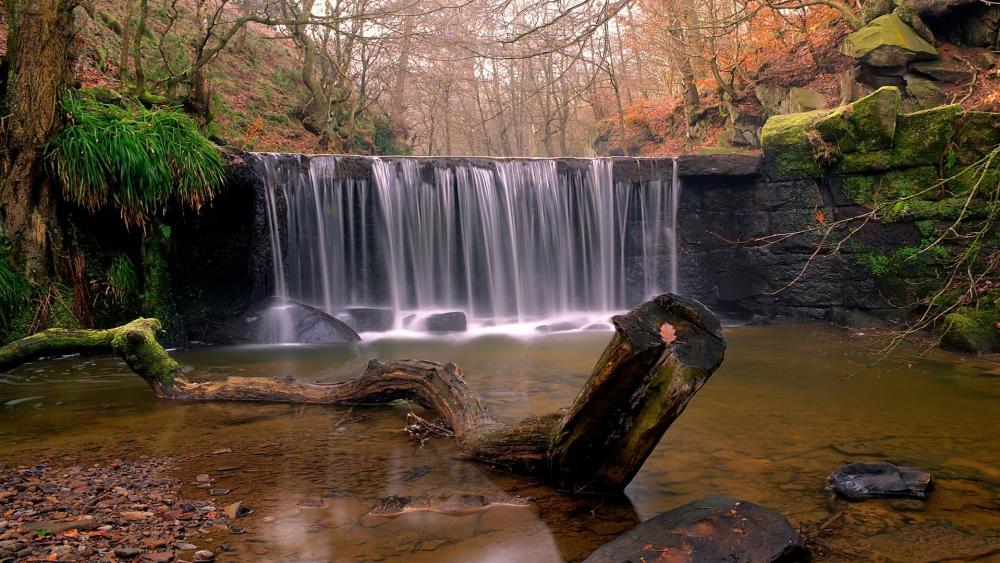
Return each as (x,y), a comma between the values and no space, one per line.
(507,242)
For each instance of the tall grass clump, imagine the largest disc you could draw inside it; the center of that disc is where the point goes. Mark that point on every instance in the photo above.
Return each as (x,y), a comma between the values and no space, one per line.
(15,291)
(133,158)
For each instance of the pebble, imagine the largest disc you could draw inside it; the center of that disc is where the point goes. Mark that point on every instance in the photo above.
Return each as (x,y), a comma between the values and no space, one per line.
(203,556)
(203,478)
(218,492)
(113,511)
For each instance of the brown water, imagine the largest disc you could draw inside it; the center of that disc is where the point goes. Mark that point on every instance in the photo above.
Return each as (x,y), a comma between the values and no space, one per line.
(768,427)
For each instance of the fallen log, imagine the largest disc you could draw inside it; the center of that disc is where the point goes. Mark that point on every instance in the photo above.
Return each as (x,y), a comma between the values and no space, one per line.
(662,352)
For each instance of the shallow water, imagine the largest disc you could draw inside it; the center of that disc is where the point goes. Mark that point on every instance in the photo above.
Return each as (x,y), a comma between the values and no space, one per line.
(785,410)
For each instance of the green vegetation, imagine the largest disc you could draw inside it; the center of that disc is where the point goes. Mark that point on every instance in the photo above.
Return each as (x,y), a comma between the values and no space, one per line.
(132,158)
(15,291)
(971,330)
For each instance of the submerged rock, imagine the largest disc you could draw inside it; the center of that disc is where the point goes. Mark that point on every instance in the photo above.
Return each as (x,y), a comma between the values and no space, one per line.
(712,528)
(860,481)
(275,320)
(446,322)
(453,505)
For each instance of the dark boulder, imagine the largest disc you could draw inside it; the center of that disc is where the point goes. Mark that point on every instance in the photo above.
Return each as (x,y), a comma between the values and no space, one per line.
(860,481)
(712,528)
(370,319)
(446,322)
(274,320)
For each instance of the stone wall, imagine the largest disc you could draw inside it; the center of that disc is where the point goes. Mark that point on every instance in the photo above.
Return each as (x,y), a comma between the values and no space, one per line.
(722,214)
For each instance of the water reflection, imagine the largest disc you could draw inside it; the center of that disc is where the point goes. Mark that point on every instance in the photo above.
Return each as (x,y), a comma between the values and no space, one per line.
(769,426)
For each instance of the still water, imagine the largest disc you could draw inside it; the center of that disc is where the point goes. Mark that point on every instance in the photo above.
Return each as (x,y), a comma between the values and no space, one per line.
(786,408)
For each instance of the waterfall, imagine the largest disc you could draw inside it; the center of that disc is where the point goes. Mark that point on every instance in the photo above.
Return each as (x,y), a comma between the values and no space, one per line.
(506,241)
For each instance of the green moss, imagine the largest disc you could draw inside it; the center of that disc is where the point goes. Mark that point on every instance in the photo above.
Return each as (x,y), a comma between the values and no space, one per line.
(971,330)
(871,189)
(947,209)
(921,140)
(788,151)
(887,41)
(136,343)
(977,133)
(873,118)
(157,295)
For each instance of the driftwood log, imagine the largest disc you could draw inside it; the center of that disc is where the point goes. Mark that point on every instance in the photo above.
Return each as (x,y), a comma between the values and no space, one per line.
(662,352)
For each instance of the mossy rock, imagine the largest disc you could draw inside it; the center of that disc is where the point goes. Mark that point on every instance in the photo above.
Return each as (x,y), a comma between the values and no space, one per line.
(923,94)
(873,9)
(788,153)
(865,125)
(947,209)
(977,133)
(869,189)
(971,330)
(921,139)
(804,99)
(887,42)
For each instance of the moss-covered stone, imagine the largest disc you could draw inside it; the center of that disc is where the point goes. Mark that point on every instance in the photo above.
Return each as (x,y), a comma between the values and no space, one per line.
(887,42)
(947,209)
(921,139)
(865,125)
(923,136)
(804,99)
(977,133)
(971,330)
(923,94)
(869,189)
(788,152)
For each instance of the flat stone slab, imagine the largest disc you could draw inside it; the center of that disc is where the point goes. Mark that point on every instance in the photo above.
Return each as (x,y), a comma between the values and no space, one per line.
(710,529)
(861,481)
(728,164)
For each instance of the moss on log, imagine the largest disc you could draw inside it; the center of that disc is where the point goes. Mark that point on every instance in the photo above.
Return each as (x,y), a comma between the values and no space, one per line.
(662,352)
(135,342)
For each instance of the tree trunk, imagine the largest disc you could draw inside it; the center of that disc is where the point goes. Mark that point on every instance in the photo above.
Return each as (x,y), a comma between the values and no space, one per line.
(662,352)
(38,67)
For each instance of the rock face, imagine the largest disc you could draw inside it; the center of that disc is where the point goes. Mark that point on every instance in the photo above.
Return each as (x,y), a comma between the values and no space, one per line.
(733,164)
(887,42)
(713,528)
(446,322)
(275,321)
(860,481)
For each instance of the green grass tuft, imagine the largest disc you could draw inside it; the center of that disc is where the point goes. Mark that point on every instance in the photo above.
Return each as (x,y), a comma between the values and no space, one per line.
(132,158)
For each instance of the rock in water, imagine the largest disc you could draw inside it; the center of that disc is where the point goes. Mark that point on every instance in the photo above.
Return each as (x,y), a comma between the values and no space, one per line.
(860,481)
(286,321)
(712,528)
(446,322)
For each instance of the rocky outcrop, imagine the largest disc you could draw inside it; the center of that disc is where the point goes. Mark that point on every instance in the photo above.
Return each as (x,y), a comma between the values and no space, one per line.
(861,481)
(712,528)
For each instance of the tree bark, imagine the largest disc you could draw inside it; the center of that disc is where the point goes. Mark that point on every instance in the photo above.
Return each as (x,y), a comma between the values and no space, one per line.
(662,352)
(38,67)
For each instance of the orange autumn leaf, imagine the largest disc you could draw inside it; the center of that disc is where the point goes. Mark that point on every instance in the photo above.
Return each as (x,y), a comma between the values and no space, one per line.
(71,533)
(668,333)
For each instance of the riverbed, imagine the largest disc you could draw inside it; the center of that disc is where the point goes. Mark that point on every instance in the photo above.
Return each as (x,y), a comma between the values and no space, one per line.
(788,405)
